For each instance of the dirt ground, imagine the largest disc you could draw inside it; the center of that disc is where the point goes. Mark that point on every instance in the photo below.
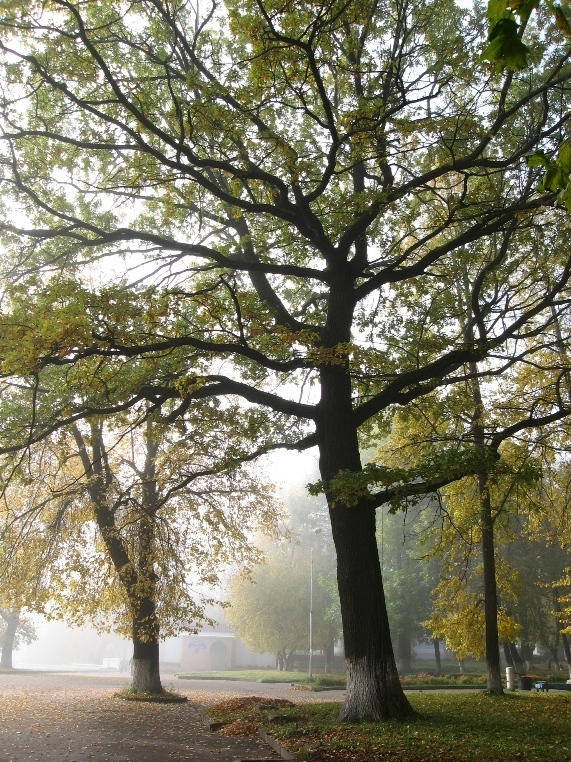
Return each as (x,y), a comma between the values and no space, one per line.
(57,717)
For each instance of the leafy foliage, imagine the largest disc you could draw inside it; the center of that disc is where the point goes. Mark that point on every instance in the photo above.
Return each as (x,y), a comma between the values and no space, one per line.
(276,205)
(269,608)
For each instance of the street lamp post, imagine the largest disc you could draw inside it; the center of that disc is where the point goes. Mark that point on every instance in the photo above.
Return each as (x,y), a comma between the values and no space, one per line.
(316,531)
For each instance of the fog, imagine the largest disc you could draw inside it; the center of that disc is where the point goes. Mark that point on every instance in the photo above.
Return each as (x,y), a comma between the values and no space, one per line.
(60,645)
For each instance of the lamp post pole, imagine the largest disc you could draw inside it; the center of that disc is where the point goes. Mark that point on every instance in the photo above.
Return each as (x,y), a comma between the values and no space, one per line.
(311,615)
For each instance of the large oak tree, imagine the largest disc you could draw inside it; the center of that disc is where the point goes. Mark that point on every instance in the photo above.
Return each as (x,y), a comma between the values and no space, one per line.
(272,187)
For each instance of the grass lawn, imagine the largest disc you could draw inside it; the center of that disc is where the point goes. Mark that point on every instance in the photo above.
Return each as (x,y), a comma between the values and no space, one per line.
(448,728)
(322,682)
(267,676)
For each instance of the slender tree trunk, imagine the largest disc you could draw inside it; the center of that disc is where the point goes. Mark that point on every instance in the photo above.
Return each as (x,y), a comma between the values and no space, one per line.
(564,638)
(404,654)
(12,619)
(436,644)
(516,659)
(493,667)
(329,653)
(508,654)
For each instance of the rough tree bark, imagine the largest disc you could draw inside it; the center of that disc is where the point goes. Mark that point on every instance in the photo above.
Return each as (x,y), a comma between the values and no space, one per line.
(373,687)
(146,671)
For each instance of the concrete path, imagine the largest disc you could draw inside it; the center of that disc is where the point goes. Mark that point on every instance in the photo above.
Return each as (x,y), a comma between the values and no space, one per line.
(74,717)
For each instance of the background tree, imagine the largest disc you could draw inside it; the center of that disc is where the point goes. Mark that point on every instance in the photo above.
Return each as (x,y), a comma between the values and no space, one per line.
(15,629)
(309,529)
(26,553)
(407,573)
(269,609)
(135,533)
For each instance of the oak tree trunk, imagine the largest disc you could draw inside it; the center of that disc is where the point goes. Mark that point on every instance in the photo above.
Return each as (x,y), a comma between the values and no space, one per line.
(374,691)
(146,625)
(146,673)
(136,574)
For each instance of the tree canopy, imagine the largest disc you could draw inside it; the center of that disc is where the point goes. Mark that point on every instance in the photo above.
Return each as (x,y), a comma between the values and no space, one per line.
(276,203)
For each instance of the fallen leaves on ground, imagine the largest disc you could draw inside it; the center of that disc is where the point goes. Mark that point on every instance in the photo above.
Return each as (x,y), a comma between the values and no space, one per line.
(448,728)
(248,702)
(239,728)
(52,719)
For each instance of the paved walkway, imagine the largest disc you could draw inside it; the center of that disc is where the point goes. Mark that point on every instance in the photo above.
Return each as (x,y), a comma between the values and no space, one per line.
(57,717)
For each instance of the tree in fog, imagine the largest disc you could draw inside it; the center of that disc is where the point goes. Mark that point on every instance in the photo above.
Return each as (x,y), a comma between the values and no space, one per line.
(407,571)
(269,608)
(16,629)
(284,195)
(128,524)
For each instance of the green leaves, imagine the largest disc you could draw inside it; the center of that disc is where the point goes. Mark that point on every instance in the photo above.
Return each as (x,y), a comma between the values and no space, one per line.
(507,22)
(557,176)
(505,49)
